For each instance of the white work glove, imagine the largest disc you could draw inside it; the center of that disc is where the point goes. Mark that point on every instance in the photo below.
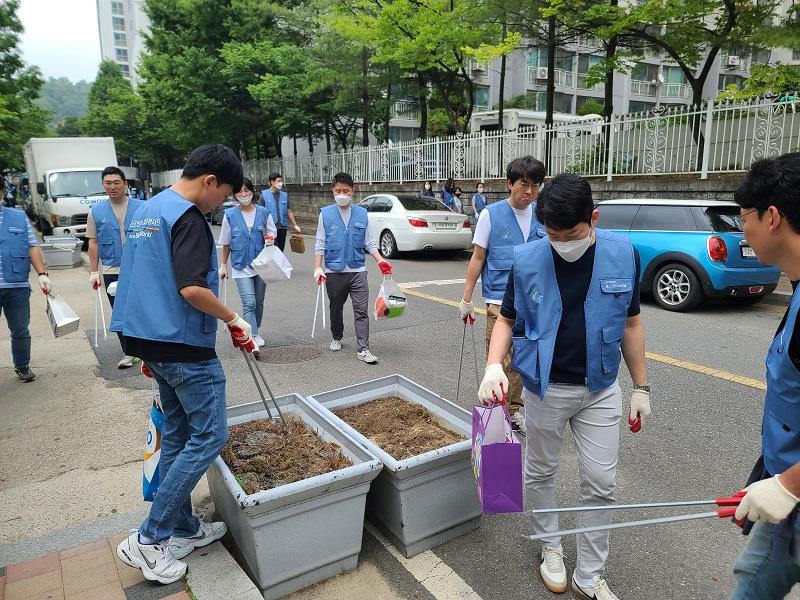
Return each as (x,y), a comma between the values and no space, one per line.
(223,271)
(766,500)
(319,275)
(494,385)
(241,333)
(297,228)
(269,240)
(467,309)
(44,283)
(94,280)
(638,409)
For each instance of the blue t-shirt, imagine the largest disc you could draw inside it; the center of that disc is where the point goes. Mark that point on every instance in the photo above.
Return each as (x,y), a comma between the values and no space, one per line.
(574,278)
(32,241)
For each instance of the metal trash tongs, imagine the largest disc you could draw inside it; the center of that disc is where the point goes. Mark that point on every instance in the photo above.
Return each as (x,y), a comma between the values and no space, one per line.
(251,362)
(471,320)
(728,506)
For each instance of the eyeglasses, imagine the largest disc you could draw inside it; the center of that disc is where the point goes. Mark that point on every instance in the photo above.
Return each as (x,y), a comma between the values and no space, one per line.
(527,185)
(749,212)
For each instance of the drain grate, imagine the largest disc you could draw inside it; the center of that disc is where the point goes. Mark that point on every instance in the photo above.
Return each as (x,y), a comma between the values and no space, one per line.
(285,355)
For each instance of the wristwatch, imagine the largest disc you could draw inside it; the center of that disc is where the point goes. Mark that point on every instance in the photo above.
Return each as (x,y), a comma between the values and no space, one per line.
(644,388)
(43,273)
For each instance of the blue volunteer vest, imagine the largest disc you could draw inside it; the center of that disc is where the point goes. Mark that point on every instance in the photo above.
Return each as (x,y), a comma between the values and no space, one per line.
(246,243)
(504,236)
(109,242)
(780,430)
(148,305)
(480,203)
(344,246)
(538,304)
(269,204)
(14,246)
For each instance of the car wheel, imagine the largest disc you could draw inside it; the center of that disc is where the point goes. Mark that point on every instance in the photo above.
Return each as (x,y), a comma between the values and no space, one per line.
(676,287)
(387,246)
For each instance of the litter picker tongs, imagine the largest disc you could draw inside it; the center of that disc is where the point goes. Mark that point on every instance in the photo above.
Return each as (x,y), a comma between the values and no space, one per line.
(316,309)
(471,320)
(727,510)
(98,309)
(252,364)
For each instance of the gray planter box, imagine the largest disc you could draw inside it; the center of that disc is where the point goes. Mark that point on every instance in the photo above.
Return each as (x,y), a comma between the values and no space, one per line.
(297,534)
(424,500)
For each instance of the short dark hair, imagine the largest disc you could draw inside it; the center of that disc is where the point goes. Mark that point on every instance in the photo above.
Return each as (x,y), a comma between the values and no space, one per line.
(275,176)
(527,168)
(773,182)
(480,183)
(344,178)
(112,171)
(217,160)
(564,202)
(246,183)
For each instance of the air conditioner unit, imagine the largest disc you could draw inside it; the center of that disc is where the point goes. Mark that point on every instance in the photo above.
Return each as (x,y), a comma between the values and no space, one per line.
(541,73)
(733,61)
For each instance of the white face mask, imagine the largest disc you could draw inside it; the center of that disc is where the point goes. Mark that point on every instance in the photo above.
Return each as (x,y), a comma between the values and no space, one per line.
(572,250)
(427,186)
(278,184)
(343,200)
(480,190)
(245,200)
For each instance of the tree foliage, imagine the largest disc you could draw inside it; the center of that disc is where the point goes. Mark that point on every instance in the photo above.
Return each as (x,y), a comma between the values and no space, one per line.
(777,79)
(64,98)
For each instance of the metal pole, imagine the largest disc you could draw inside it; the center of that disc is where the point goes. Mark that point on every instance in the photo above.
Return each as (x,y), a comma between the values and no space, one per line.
(611,140)
(475,356)
(707,139)
(541,511)
(461,361)
(266,385)
(483,155)
(255,380)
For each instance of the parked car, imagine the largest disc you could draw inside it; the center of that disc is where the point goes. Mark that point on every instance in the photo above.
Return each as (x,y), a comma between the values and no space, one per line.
(412,222)
(219,213)
(690,250)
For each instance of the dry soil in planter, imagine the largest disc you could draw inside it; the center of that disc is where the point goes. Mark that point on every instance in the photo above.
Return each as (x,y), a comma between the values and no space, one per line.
(401,429)
(263,454)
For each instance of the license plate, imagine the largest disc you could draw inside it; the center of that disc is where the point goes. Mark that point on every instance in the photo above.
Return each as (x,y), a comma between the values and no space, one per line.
(748,252)
(449,226)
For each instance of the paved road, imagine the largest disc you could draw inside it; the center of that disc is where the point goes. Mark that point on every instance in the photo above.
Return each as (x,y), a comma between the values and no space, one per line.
(700,442)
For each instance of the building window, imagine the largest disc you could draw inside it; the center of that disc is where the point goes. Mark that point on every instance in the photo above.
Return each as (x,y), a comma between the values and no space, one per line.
(796,53)
(562,102)
(122,54)
(126,70)
(120,39)
(118,23)
(635,106)
(644,72)
(727,80)
(482,98)
(117,8)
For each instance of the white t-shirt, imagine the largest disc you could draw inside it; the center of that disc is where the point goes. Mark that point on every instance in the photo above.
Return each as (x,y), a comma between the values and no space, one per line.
(225,238)
(483,230)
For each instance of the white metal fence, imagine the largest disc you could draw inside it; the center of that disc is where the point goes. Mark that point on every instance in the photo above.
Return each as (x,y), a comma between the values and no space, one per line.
(714,138)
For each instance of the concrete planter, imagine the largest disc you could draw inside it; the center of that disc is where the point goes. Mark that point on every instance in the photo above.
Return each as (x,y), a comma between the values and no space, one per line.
(424,500)
(297,534)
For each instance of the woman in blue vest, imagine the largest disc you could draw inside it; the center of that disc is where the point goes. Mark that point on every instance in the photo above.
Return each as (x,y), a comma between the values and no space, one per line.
(478,200)
(571,305)
(245,230)
(449,194)
(769,566)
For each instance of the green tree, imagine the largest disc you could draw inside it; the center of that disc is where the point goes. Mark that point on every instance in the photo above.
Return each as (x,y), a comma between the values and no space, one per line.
(64,98)
(20,117)
(765,79)
(69,127)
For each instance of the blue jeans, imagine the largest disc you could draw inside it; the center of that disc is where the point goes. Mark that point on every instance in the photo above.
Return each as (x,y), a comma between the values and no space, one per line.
(16,302)
(252,291)
(195,432)
(759,577)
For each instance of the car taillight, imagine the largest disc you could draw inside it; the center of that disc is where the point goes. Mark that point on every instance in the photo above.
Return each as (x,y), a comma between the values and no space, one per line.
(414,222)
(467,224)
(717,249)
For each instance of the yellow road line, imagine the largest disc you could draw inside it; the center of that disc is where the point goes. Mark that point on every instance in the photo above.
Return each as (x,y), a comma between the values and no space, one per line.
(668,360)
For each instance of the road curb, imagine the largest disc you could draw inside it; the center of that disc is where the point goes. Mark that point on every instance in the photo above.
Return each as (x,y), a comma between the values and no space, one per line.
(778,298)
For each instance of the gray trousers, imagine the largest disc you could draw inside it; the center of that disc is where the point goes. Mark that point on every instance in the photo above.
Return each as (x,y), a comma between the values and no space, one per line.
(339,286)
(594,419)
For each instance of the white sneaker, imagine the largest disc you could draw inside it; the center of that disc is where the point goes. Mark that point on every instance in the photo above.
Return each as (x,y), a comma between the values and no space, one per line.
(552,569)
(155,560)
(127,362)
(260,341)
(518,419)
(208,533)
(598,591)
(335,346)
(367,356)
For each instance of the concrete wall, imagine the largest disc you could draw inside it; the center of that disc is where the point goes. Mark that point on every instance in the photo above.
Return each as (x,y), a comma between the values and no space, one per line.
(308,199)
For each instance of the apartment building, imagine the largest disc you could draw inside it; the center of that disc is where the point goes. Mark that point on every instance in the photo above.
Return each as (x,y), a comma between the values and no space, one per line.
(121,23)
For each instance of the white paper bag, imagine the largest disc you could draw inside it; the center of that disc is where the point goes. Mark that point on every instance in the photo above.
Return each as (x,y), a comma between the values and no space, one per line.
(272,265)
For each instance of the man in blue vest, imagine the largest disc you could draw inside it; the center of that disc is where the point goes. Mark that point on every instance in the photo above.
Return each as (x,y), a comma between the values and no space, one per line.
(167,309)
(105,229)
(500,227)
(571,304)
(18,250)
(769,566)
(343,241)
(276,201)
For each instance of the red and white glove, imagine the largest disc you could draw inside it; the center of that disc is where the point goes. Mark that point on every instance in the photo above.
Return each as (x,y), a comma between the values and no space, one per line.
(467,310)
(240,334)
(494,385)
(639,408)
(269,239)
(767,500)
(385,266)
(94,280)
(319,275)
(44,284)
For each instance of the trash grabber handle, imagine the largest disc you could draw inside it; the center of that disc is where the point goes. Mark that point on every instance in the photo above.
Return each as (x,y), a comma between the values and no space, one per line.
(102,313)
(316,309)
(96,319)
(474,353)
(255,379)
(266,385)
(461,360)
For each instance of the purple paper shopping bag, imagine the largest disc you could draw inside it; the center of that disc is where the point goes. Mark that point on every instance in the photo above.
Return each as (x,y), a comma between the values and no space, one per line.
(496,460)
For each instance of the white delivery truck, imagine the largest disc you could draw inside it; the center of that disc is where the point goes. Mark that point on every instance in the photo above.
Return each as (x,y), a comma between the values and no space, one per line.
(65,180)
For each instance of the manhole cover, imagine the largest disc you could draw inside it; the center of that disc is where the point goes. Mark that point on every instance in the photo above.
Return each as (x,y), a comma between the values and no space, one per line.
(285,355)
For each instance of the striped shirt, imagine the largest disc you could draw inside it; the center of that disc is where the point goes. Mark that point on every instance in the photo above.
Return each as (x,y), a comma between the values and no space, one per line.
(32,241)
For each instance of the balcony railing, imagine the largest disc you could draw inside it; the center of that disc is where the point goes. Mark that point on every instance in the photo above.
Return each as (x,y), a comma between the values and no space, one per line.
(643,88)
(403,109)
(562,78)
(582,85)
(478,69)
(675,90)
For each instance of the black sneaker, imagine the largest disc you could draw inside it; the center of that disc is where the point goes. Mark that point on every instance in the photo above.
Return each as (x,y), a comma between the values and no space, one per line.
(25,374)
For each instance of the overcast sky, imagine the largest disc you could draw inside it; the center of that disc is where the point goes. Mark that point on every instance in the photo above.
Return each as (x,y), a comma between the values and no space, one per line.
(61,37)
